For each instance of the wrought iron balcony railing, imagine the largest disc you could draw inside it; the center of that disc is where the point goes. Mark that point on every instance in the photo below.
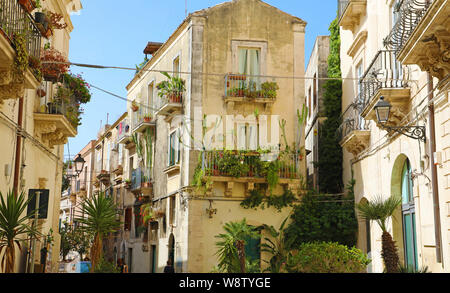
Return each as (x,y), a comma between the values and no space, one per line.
(124,132)
(385,71)
(54,105)
(15,20)
(352,120)
(410,13)
(216,163)
(248,86)
(342,6)
(138,178)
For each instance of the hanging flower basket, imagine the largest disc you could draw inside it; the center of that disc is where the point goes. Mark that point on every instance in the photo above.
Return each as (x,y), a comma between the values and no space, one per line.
(56,66)
(134,106)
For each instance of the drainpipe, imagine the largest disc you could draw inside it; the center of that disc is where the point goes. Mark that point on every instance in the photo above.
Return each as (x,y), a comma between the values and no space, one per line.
(18,149)
(434,177)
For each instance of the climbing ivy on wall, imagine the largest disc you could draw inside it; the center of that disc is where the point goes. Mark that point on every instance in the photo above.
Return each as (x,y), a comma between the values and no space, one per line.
(330,152)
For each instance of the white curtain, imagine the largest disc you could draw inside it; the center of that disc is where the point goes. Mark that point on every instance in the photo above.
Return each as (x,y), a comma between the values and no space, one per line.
(249,64)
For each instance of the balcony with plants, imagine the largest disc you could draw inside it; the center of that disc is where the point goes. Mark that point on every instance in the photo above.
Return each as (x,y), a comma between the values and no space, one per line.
(142,119)
(247,88)
(141,184)
(58,115)
(353,133)
(421,35)
(350,13)
(385,77)
(171,93)
(251,168)
(20,42)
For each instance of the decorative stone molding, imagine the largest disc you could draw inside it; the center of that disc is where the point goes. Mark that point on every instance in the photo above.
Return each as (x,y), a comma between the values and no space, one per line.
(53,129)
(429,44)
(357,43)
(352,15)
(42,183)
(356,141)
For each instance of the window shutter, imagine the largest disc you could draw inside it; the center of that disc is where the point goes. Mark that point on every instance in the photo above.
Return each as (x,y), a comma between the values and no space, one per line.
(128,214)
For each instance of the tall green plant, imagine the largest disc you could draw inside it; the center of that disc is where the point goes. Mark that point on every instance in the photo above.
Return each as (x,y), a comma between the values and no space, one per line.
(14,227)
(231,244)
(278,246)
(330,152)
(380,210)
(99,220)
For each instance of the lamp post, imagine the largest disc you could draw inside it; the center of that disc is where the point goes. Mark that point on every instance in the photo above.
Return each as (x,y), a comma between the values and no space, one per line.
(383,109)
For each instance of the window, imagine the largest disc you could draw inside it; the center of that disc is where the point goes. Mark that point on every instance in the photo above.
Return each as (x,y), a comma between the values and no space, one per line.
(408,217)
(316,99)
(359,75)
(150,102)
(174,148)
(172,210)
(249,61)
(176,67)
(309,102)
(247,137)
(250,64)
(127,222)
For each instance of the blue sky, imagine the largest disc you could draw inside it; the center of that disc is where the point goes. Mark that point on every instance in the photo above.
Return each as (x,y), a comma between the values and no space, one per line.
(116,34)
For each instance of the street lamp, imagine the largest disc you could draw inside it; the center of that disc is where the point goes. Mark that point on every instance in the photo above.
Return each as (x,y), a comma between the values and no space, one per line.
(79,164)
(383,109)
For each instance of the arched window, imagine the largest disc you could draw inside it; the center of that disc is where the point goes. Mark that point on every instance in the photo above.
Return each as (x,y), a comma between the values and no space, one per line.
(408,217)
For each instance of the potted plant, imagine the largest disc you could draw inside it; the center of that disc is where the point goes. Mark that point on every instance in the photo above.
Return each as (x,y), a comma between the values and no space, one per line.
(53,71)
(134,106)
(127,183)
(269,90)
(147,118)
(172,88)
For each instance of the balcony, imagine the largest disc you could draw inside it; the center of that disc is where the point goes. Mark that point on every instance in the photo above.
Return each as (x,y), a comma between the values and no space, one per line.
(14,20)
(241,88)
(56,119)
(142,120)
(350,13)
(140,184)
(104,177)
(249,169)
(124,133)
(422,36)
(171,105)
(385,77)
(354,134)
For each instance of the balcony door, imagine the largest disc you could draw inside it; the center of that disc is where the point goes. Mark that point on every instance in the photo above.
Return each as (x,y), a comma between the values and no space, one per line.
(250,64)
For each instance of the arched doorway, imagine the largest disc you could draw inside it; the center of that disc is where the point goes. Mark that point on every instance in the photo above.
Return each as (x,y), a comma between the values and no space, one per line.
(408,217)
(364,236)
(405,228)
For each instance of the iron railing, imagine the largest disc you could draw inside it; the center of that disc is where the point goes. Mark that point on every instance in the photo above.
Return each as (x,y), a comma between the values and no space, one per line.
(141,115)
(342,6)
(138,177)
(352,120)
(213,165)
(51,104)
(15,20)
(385,71)
(175,97)
(410,13)
(250,86)
(124,130)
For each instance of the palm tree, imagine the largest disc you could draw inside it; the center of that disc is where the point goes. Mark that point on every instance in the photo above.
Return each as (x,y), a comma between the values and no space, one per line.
(99,220)
(231,246)
(380,210)
(278,245)
(13,226)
